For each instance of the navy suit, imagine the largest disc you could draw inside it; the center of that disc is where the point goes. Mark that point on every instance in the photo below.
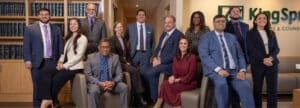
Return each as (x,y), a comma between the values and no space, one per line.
(210,52)
(33,51)
(257,52)
(166,58)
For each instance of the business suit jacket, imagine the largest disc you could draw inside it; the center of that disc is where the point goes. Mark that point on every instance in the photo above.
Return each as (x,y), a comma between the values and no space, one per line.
(117,48)
(33,44)
(132,35)
(256,47)
(169,50)
(211,55)
(94,36)
(74,60)
(92,69)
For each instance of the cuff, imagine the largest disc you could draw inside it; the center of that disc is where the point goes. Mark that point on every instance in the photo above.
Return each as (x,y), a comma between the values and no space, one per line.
(217,69)
(243,70)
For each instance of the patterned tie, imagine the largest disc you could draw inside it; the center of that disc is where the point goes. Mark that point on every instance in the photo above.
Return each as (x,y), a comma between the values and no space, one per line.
(239,36)
(142,38)
(225,53)
(104,75)
(48,42)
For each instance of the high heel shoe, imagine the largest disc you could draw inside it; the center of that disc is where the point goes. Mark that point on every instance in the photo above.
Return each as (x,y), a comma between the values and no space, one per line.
(46,103)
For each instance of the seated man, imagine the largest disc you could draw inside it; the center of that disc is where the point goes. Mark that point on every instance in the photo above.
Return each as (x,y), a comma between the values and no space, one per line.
(104,73)
(224,63)
(163,55)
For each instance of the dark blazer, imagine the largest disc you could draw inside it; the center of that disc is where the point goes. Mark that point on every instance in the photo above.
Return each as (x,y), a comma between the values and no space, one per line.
(244,29)
(33,44)
(98,32)
(117,49)
(211,56)
(169,50)
(132,35)
(256,47)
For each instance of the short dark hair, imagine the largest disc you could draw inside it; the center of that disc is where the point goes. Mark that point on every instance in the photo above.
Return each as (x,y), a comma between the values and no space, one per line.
(44,9)
(104,40)
(233,8)
(218,16)
(140,10)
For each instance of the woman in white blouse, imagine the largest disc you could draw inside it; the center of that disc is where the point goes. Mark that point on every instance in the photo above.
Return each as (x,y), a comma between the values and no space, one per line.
(263,50)
(53,78)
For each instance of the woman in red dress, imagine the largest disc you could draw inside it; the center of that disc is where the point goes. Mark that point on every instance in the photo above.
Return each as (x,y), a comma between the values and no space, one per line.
(183,71)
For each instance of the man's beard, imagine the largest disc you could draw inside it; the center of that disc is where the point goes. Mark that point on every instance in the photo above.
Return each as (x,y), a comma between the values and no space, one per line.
(91,15)
(45,22)
(233,18)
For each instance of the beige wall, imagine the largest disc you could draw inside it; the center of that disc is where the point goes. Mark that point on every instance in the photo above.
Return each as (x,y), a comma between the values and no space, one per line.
(288,40)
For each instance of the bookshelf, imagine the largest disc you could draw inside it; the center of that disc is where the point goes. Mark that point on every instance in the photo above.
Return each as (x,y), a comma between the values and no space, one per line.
(15,15)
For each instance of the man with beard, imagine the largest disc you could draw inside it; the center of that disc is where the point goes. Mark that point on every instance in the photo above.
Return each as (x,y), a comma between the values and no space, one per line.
(239,29)
(94,29)
(43,45)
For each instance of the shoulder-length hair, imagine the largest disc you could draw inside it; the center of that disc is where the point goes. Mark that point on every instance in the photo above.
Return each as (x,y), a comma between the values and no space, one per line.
(267,27)
(189,49)
(202,21)
(70,33)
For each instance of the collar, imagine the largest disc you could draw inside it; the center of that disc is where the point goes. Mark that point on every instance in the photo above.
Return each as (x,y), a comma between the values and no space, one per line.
(138,23)
(171,31)
(218,34)
(42,24)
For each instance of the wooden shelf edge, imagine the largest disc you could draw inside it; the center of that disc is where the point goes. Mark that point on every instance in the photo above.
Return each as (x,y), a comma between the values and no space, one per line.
(52,17)
(12,60)
(11,37)
(12,17)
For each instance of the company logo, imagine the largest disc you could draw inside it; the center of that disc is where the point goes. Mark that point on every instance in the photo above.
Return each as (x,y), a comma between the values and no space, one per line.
(224,10)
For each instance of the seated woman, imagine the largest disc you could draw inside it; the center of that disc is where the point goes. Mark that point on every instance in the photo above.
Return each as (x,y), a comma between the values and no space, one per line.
(53,78)
(183,71)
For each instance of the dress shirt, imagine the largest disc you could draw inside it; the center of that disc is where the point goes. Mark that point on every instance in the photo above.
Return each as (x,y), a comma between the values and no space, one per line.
(138,31)
(43,36)
(264,37)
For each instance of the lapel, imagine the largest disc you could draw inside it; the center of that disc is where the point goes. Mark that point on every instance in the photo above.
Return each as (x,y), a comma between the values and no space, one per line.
(39,31)
(118,45)
(260,40)
(136,32)
(110,61)
(216,40)
(52,32)
(164,35)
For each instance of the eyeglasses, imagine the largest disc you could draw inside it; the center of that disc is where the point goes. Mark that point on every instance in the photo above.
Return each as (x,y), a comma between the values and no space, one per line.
(220,21)
(105,47)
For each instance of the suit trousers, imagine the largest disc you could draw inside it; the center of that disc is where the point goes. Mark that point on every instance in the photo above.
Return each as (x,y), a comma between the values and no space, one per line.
(259,72)
(152,76)
(241,86)
(135,77)
(94,92)
(52,80)
(35,75)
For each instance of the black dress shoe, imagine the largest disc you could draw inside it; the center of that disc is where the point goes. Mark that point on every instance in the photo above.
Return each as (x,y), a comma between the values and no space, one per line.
(141,101)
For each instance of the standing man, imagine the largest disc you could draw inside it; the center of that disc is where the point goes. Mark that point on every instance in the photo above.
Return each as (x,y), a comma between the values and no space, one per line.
(41,36)
(163,54)
(141,40)
(239,29)
(224,63)
(104,74)
(94,29)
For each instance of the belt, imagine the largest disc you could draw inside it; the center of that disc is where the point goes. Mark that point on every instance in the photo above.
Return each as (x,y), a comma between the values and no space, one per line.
(141,50)
(47,59)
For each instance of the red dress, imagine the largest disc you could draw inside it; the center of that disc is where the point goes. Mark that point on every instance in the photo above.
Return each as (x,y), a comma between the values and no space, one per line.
(184,69)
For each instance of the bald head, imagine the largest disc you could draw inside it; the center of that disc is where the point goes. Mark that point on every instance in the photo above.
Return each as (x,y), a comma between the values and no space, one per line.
(91,10)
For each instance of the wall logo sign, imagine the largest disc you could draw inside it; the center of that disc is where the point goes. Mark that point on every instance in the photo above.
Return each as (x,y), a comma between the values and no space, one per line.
(224,10)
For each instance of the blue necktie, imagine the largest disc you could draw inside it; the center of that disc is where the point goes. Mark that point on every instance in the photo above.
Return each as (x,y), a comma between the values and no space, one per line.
(104,75)
(225,53)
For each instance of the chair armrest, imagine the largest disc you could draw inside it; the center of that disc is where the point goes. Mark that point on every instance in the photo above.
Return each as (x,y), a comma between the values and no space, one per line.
(79,91)
(127,79)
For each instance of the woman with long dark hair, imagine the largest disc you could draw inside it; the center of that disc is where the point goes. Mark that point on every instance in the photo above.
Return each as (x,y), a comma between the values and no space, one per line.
(182,78)
(196,30)
(263,50)
(53,78)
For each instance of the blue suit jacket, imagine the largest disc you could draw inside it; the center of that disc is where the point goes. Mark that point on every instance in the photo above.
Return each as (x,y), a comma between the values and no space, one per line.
(132,35)
(33,44)
(244,29)
(211,55)
(256,47)
(170,47)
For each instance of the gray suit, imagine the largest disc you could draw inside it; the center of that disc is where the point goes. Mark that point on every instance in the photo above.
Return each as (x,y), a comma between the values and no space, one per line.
(95,35)
(92,72)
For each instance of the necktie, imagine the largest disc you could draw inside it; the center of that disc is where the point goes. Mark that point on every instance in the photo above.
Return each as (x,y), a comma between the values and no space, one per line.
(47,42)
(142,38)
(163,43)
(225,53)
(91,24)
(239,36)
(104,75)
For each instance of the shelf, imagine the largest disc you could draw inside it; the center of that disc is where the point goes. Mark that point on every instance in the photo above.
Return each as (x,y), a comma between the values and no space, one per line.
(79,17)
(51,18)
(11,60)
(11,37)
(12,17)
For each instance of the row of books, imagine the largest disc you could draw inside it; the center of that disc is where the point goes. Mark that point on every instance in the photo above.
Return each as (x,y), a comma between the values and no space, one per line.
(79,9)
(56,9)
(11,51)
(12,9)
(12,29)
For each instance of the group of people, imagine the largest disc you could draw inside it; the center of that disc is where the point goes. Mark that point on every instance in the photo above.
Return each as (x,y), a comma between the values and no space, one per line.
(224,54)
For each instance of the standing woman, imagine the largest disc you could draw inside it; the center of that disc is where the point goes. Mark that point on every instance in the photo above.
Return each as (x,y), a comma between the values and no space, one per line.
(263,50)
(53,78)
(183,71)
(119,46)
(196,30)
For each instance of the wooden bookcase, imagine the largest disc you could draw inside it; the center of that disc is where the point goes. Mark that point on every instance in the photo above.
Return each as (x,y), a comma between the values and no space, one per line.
(15,80)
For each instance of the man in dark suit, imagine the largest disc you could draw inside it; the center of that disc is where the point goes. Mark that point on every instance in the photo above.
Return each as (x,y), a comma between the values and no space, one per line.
(141,40)
(224,63)
(94,29)
(104,74)
(43,45)
(163,55)
(239,29)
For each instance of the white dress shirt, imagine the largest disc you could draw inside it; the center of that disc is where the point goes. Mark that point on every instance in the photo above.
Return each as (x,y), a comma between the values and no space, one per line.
(43,36)
(138,31)
(264,37)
